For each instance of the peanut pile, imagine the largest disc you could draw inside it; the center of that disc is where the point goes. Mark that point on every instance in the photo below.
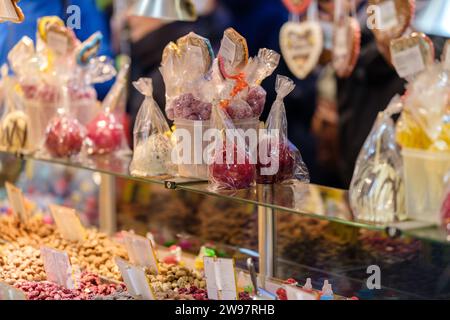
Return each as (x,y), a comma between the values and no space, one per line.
(174,277)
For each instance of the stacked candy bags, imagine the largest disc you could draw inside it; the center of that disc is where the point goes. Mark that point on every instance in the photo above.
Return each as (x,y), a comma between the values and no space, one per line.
(275,152)
(152,144)
(377,189)
(59,59)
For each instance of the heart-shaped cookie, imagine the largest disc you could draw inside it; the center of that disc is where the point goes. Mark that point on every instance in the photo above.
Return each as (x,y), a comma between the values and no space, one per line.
(388,19)
(346,46)
(301,45)
(10,11)
(297,6)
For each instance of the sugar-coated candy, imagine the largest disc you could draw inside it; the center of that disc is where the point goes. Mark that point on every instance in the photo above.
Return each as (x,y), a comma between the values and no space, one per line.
(106,133)
(182,105)
(239,109)
(64,137)
(286,162)
(257,99)
(202,109)
(188,107)
(232,175)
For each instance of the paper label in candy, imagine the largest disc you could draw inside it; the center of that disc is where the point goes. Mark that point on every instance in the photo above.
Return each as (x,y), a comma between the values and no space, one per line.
(228,50)
(8,10)
(221,279)
(8,292)
(341,46)
(408,62)
(17,202)
(141,252)
(294,293)
(136,280)
(57,267)
(58,42)
(387,15)
(68,223)
(446,58)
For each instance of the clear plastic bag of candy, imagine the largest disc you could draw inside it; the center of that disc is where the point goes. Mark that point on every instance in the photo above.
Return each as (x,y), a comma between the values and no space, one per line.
(65,135)
(424,121)
(152,143)
(278,159)
(230,166)
(15,124)
(445,208)
(106,133)
(377,192)
(184,67)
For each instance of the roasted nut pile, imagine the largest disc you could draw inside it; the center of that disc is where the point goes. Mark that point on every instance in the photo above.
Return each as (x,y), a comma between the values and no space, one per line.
(118,295)
(34,229)
(172,277)
(95,254)
(90,286)
(19,262)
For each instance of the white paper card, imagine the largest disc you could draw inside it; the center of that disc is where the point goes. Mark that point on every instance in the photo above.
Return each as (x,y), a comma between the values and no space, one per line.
(7,11)
(68,223)
(228,50)
(294,293)
(408,62)
(58,42)
(387,18)
(221,279)
(17,202)
(136,280)
(57,267)
(446,61)
(141,252)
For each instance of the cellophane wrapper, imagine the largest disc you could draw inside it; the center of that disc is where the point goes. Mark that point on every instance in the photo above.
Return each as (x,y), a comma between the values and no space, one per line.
(15,123)
(424,123)
(65,134)
(445,209)
(278,159)
(230,166)
(152,143)
(377,192)
(106,133)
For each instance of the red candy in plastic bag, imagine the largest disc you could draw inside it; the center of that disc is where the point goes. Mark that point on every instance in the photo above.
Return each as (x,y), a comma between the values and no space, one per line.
(64,137)
(105,132)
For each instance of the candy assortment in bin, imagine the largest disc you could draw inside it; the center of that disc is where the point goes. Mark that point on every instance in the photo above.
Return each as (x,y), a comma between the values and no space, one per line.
(278,159)
(106,132)
(152,144)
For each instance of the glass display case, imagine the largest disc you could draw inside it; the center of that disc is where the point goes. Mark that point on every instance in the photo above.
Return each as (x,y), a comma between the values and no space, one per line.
(294,230)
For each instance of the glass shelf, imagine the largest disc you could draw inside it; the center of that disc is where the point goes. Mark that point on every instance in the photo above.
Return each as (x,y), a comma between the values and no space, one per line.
(306,199)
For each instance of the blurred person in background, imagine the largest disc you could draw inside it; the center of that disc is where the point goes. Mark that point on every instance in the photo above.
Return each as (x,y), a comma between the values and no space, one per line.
(92,19)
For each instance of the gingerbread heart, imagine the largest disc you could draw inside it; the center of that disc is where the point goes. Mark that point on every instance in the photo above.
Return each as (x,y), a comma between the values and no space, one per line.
(390,18)
(10,11)
(301,45)
(346,46)
(297,6)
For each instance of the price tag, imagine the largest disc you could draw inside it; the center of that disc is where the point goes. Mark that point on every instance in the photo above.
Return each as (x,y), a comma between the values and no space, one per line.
(446,56)
(58,42)
(68,223)
(141,252)
(221,279)
(408,62)
(136,280)
(294,293)
(8,292)
(10,11)
(387,18)
(228,50)
(57,267)
(17,202)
